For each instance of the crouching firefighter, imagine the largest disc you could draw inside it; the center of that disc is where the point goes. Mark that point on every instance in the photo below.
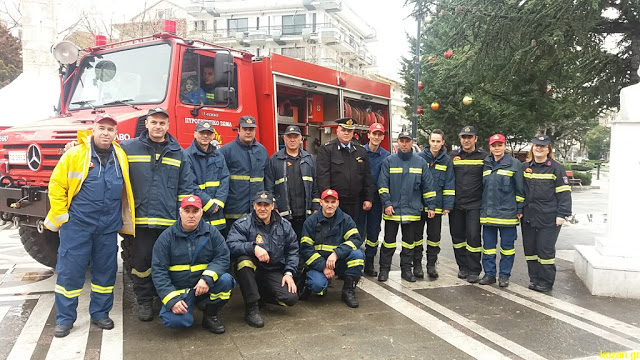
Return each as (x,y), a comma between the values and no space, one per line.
(330,246)
(189,264)
(91,199)
(264,248)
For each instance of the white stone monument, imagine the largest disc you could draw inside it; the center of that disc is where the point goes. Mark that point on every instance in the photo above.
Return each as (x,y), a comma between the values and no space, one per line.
(612,266)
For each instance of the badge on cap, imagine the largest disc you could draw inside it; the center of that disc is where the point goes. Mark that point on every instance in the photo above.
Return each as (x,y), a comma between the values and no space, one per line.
(205,125)
(540,138)
(467,129)
(191,199)
(264,196)
(378,126)
(249,121)
(496,137)
(330,192)
(259,239)
(292,129)
(349,122)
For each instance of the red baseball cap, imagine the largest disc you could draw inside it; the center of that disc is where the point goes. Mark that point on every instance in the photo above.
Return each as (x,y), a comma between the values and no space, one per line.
(329,192)
(105,118)
(497,138)
(191,200)
(376,127)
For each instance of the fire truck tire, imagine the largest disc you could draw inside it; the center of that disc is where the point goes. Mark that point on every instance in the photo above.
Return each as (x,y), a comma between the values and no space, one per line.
(43,248)
(126,254)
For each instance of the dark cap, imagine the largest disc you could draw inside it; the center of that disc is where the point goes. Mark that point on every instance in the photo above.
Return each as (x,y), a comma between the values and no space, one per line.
(405,134)
(292,129)
(158,110)
(204,126)
(247,121)
(347,123)
(105,118)
(468,130)
(541,139)
(264,197)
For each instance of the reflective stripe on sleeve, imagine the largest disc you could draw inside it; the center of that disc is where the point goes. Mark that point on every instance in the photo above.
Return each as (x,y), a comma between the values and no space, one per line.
(349,233)
(312,258)
(307,240)
(563,188)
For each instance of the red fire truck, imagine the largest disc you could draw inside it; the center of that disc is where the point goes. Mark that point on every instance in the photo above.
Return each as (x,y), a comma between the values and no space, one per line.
(125,79)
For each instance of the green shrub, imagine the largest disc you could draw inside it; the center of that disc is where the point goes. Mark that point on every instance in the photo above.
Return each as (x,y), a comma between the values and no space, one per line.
(585,177)
(579,167)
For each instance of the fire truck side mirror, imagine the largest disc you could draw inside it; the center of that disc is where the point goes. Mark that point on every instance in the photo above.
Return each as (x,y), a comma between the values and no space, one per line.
(226,95)
(223,69)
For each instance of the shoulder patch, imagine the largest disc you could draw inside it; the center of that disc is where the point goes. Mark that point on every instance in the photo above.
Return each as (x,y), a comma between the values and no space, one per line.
(565,180)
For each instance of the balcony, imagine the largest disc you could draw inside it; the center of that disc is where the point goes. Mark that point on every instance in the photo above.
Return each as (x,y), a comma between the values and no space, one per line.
(257,37)
(330,36)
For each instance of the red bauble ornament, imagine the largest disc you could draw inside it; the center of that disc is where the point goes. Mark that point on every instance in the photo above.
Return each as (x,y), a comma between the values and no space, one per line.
(435,106)
(448,54)
(419,110)
(420,85)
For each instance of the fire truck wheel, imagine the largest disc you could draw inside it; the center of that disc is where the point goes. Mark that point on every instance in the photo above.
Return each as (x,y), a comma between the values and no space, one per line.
(127,254)
(43,248)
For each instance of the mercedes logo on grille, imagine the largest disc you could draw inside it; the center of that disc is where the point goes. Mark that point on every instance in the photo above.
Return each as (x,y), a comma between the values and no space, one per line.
(34,157)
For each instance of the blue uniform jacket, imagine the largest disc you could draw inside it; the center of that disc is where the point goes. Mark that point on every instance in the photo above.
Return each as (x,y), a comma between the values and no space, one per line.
(375,162)
(246,165)
(406,184)
(172,269)
(98,204)
(275,181)
(503,194)
(322,236)
(158,184)
(444,178)
(212,179)
(278,238)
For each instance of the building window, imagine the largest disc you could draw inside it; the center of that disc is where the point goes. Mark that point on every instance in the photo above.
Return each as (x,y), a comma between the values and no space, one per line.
(237,25)
(164,13)
(294,52)
(293,24)
(200,25)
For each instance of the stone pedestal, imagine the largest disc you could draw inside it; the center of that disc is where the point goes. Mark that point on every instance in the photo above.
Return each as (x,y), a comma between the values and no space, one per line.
(612,266)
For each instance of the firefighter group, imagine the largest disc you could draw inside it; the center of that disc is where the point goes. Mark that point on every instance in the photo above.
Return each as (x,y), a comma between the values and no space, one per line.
(205,220)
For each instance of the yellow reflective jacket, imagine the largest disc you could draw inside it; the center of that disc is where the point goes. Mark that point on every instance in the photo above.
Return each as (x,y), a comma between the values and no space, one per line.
(70,173)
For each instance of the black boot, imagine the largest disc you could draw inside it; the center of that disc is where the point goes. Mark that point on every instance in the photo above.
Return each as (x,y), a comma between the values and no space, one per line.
(145,312)
(349,291)
(369,267)
(406,274)
(252,315)
(417,268)
(211,321)
(383,275)
(431,267)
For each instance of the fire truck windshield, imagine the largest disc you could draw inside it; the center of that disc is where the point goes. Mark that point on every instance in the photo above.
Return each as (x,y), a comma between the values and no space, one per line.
(140,74)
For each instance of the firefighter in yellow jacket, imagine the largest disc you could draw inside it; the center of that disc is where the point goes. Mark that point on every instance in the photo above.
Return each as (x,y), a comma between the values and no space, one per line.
(91,200)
